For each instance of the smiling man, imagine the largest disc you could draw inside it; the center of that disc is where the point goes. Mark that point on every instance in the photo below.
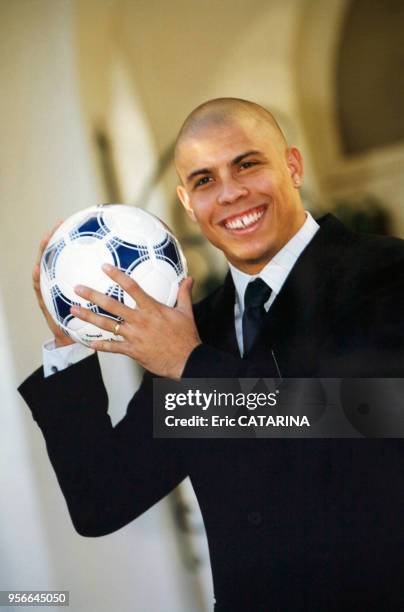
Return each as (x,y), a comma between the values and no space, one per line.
(240,181)
(295,525)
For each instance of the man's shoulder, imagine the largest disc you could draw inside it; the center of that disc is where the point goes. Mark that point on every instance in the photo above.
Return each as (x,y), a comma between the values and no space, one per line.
(366,268)
(360,251)
(390,246)
(380,257)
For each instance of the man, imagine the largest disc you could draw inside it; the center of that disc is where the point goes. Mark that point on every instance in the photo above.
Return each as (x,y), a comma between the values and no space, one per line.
(299,525)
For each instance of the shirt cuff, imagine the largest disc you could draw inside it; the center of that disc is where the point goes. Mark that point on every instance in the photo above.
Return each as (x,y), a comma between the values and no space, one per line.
(56,359)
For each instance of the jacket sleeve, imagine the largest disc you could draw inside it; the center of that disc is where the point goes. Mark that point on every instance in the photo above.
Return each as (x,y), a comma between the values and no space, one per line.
(108,475)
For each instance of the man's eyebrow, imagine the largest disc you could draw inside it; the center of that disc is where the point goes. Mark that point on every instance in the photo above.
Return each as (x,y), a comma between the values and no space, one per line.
(234,162)
(240,158)
(197,173)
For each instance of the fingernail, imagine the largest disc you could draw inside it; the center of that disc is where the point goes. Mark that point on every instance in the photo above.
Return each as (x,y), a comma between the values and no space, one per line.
(79,288)
(107,267)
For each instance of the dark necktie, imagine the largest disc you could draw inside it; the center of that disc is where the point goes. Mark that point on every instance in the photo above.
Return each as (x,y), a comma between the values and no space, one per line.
(257,293)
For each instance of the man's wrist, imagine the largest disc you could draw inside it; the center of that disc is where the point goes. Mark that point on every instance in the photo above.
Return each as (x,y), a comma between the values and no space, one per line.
(59,358)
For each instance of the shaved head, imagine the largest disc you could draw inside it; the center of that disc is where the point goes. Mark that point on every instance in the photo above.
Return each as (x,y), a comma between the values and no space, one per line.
(222,111)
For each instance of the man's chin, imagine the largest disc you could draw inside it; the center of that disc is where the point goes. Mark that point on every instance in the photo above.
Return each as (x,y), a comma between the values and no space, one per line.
(250,262)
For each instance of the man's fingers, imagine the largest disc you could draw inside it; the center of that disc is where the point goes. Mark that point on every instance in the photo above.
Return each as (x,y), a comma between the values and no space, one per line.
(131,287)
(36,284)
(107,303)
(184,297)
(102,321)
(111,346)
(36,274)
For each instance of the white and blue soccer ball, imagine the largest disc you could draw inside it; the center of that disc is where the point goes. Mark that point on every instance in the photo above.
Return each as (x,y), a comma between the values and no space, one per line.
(127,237)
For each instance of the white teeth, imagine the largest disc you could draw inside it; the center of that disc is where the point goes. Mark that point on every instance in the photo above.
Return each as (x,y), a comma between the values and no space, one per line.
(244,221)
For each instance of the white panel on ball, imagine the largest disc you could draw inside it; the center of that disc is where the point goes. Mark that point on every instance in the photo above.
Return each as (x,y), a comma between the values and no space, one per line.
(79,264)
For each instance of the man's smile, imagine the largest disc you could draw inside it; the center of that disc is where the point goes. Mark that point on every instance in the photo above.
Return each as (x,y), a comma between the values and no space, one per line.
(246,220)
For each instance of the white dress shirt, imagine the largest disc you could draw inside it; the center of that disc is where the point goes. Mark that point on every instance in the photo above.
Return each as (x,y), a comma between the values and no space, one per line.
(274,274)
(55,359)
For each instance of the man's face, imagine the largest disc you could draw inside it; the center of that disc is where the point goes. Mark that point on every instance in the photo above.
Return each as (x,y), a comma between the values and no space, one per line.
(240,185)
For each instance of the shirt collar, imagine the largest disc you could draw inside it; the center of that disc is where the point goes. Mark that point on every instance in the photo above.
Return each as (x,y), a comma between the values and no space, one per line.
(277,270)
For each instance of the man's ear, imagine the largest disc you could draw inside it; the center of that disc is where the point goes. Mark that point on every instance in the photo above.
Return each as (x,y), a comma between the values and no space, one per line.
(184,199)
(294,162)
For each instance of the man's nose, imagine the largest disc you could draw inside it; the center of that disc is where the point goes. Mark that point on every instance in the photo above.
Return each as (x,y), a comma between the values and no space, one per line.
(231,190)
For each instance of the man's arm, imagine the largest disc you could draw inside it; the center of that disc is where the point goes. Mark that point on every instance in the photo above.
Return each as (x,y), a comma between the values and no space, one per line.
(108,475)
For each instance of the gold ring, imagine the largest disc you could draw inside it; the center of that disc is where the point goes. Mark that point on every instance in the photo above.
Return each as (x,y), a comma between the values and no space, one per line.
(116,328)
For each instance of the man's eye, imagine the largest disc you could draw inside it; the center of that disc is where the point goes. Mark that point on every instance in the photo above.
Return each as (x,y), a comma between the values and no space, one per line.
(203,181)
(248,164)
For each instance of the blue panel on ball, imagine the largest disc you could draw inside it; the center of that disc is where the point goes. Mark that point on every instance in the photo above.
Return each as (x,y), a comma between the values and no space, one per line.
(62,305)
(167,250)
(93,226)
(127,256)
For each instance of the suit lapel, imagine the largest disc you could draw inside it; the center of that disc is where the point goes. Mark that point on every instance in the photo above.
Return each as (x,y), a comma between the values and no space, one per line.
(220,329)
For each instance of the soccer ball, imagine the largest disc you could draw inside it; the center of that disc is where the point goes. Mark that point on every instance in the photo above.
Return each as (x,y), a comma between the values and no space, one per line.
(127,237)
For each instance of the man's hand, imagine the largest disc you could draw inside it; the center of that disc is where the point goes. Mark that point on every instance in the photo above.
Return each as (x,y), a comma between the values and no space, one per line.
(60,338)
(156,336)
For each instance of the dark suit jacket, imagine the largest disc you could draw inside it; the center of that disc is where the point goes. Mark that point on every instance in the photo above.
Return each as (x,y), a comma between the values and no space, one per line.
(292,524)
